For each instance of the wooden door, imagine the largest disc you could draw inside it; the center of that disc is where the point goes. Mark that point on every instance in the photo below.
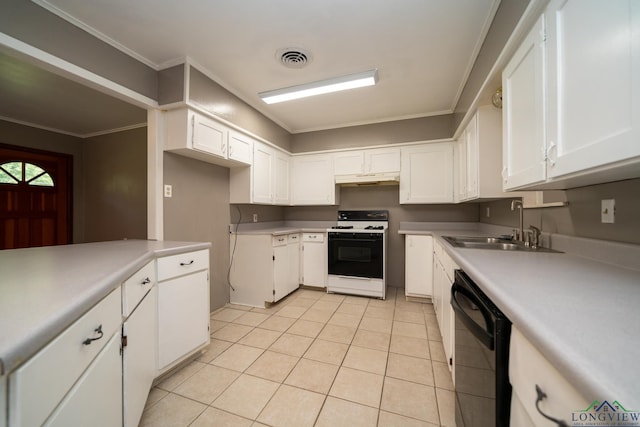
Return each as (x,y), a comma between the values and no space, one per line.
(35,198)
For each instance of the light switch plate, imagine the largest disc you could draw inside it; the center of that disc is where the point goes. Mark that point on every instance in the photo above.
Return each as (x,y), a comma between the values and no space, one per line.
(608,211)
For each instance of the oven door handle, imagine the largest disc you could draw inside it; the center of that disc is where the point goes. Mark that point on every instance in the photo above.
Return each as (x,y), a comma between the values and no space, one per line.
(355,277)
(482,334)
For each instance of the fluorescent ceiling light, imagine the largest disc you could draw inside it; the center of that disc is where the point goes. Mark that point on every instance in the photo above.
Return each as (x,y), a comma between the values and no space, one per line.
(352,81)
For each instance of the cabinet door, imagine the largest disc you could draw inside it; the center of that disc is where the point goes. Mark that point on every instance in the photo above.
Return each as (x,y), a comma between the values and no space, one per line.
(240,147)
(262,171)
(460,159)
(382,160)
(280,272)
(593,84)
(471,146)
(314,260)
(418,266)
(183,316)
(523,79)
(293,254)
(312,181)
(208,136)
(427,174)
(96,399)
(281,178)
(348,163)
(138,356)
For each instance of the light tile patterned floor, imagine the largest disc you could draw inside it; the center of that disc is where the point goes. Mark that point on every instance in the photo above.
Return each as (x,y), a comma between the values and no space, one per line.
(314,359)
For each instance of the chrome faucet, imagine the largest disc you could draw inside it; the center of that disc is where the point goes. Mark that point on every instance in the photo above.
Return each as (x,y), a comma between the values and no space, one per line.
(535,237)
(519,234)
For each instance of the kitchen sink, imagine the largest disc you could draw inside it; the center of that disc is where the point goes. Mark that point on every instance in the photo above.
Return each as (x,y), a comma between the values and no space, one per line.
(495,243)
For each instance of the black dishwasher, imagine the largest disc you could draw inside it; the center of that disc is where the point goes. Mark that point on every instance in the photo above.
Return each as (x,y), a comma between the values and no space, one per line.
(481,357)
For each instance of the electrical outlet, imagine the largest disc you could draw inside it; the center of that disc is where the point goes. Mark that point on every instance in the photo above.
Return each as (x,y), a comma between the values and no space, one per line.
(168,190)
(255,217)
(488,212)
(608,211)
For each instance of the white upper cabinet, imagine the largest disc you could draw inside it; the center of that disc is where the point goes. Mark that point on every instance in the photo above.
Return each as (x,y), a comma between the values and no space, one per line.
(240,147)
(572,97)
(262,171)
(523,110)
(312,180)
(348,162)
(280,177)
(265,182)
(479,156)
(195,135)
(371,161)
(427,173)
(382,160)
(593,71)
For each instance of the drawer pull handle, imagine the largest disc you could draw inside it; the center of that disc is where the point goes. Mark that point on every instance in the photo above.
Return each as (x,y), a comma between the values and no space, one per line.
(184,264)
(98,331)
(541,396)
(146,281)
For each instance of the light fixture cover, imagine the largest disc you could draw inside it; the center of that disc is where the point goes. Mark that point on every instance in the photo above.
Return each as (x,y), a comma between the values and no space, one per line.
(351,81)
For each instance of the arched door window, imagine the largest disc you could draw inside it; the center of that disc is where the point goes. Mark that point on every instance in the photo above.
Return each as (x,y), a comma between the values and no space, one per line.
(24,173)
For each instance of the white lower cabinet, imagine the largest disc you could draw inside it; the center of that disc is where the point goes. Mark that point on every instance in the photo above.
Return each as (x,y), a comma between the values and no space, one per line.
(443,276)
(96,399)
(183,307)
(314,260)
(274,271)
(40,385)
(138,357)
(528,368)
(418,275)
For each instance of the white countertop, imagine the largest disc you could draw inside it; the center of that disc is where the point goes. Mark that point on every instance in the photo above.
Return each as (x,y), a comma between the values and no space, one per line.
(583,315)
(44,290)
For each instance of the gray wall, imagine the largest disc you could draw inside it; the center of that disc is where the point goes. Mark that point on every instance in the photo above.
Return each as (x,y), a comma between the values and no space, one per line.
(199,212)
(34,25)
(30,137)
(582,216)
(507,16)
(210,96)
(422,129)
(115,186)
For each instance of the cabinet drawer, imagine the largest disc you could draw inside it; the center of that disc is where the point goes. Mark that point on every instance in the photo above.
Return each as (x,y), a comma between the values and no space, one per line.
(279,240)
(39,385)
(136,287)
(178,265)
(313,237)
(293,238)
(528,367)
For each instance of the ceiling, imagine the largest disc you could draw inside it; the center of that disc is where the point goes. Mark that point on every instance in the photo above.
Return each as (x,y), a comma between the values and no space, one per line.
(423,51)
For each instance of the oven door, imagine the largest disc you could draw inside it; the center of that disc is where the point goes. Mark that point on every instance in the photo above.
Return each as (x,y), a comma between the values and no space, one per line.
(356,254)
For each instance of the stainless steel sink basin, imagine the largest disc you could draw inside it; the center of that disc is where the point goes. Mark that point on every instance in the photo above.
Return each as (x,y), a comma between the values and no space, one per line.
(495,243)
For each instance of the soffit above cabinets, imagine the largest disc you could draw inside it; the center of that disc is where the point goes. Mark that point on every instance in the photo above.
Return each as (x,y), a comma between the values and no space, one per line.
(423,49)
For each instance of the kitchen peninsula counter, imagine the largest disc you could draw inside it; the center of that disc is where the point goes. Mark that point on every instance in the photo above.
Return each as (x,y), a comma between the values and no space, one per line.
(44,290)
(580,312)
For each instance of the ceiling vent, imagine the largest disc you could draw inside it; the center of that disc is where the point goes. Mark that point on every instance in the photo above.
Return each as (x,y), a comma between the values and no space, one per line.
(293,57)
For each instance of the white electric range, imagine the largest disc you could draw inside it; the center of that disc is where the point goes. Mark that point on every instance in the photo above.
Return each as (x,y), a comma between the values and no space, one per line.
(357,248)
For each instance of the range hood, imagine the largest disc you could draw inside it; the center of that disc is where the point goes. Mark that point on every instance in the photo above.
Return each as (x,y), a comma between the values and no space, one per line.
(392,178)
